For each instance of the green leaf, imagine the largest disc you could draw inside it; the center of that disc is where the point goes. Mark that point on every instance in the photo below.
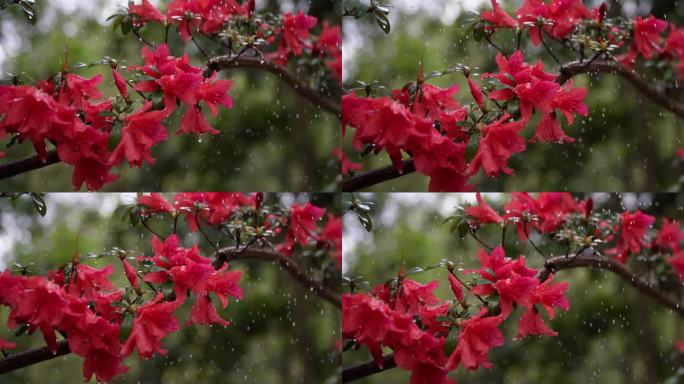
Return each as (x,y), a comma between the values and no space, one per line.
(383,21)
(39,204)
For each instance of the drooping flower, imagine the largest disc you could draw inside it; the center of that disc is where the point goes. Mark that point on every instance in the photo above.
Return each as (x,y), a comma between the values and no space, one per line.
(153,321)
(633,230)
(204,313)
(155,203)
(478,335)
(499,141)
(140,132)
(120,83)
(146,12)
(647,39)
(483,213)
(498,17)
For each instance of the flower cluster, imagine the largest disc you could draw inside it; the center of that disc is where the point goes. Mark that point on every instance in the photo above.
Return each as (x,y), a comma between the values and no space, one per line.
(69,111)
(415,324)
(419,327)
(426,122)
(219,19)
(82,304)
(568,20)
(298,224)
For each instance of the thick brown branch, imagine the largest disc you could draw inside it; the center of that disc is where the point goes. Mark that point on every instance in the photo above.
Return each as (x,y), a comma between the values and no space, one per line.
(228,62)
(287,263)
(33,356)
(27,164)
(642,86)
(551,265)
(375,176)
(567,71)
(561,262)
(359,371)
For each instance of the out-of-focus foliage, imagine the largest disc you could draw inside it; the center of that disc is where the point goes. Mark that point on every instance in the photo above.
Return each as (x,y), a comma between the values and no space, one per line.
(271,140)
(279,333)
(626,144)
(612,334)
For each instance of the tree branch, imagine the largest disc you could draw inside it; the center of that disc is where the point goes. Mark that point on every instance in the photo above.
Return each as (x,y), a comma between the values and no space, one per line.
(551,265)
(640,84)
(359,371)
(287,263)
(27,164)
(228,62)
(567,71)
(561,262)
(33,356)
(375,176)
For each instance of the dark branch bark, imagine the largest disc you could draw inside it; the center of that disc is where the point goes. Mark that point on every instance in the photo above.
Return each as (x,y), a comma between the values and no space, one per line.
(639,83)
(228,62)
(287,263)
(552,265)
(561,262)
(27,164)
(567,71)
(375,176)
(33,356)
(359,371)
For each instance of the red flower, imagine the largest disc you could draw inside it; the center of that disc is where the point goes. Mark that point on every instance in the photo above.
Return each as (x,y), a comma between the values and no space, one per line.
(674,45)
(120,83)
(478,335)
(498,17)
(647,35)
(76,91)
(194,122)
(146,12)
(549,129)
(483,213)
(140,132)
(531,323)
(154,203)
(296,31)
(347,165)
(303,222)
(571,101)
(224,284)
(204,313)
(670,236)
(677,262)
(552,295)
(366,320)
(7,345)
(456,287)
(131,274)
(499,141)
(154,320)
(634,227)
(332,233)
(89,281)
(476,92)
(215,92)
(445,163)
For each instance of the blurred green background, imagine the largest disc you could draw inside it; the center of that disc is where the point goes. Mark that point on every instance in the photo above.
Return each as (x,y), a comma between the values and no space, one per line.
(612,334)
(626,144)
(279,332)
(271,140)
